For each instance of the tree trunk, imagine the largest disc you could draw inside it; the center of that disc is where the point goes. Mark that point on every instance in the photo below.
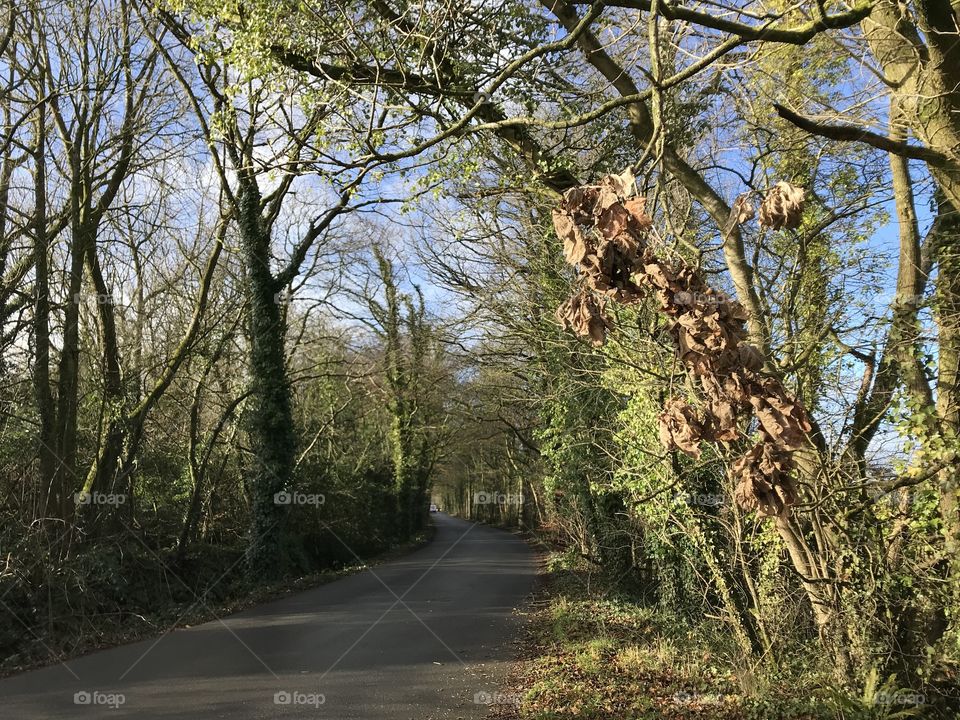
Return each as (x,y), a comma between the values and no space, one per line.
(68,386)
(946,252)
(53,500)
(102,472)
(926,72)
(269,413)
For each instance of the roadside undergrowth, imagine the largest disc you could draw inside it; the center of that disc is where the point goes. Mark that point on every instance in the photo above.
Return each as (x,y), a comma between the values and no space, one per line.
(122,597)
(593,651)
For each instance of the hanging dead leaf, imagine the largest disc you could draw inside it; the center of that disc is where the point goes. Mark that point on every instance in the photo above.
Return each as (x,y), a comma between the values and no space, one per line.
(636,206)
(724,417)
(763,481)
(743,209)
(584,314)
(613,221)
(783,206)
(680,429)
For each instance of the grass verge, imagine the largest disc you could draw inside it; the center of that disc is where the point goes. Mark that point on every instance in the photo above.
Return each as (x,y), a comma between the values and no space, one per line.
(593,653)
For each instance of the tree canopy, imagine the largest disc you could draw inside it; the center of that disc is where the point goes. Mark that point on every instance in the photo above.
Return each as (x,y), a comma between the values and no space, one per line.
(674,285)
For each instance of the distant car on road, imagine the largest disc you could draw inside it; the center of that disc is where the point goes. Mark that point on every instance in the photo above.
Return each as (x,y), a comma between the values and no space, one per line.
(434,508)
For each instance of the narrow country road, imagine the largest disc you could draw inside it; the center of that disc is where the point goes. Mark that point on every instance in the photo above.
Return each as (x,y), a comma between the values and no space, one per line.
(424,637)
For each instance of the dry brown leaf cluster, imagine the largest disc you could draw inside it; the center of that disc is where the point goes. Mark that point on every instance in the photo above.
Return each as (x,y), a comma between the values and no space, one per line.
(764,481)
(605,236)
(680,427)
(782,207)
(583,313)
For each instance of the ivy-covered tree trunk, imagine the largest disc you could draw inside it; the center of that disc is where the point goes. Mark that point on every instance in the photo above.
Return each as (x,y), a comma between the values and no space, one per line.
(406,342)
(402,475)
(947,313)
(421,443)
(400,449)
(272,441)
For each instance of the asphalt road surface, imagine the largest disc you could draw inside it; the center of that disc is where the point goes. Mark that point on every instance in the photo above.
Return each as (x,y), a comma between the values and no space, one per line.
(425,637)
